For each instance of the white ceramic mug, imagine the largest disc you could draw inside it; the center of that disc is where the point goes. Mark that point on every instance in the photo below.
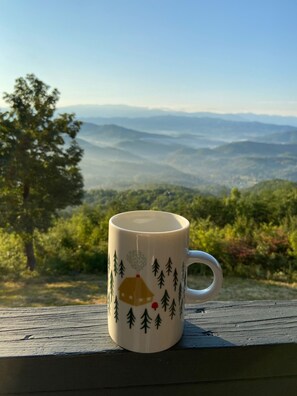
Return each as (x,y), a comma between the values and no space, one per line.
(148,258)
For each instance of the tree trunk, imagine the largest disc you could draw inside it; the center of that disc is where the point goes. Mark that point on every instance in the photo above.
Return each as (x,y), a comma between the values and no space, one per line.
(28,242)
(29,251)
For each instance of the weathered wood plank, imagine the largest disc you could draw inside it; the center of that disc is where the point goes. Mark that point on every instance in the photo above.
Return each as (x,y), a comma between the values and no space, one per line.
(226,345)
(271,386)
(83,329)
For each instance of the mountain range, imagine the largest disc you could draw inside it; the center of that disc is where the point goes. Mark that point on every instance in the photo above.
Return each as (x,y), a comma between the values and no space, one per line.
(192,151)
(110,111)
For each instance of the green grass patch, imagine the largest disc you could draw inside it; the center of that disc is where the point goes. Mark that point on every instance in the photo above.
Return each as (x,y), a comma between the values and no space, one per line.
(38,291)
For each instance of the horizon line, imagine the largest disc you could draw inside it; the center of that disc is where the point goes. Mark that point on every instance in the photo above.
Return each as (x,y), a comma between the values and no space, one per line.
(175,109)
(183,110)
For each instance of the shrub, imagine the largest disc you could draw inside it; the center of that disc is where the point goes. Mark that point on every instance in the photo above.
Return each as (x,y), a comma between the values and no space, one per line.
(74,245)
(12,258)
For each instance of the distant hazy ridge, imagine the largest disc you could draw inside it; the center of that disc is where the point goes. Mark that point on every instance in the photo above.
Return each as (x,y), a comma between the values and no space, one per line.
(196,150)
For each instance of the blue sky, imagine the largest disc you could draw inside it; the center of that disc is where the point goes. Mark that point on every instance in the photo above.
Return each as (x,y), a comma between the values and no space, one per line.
(194,55)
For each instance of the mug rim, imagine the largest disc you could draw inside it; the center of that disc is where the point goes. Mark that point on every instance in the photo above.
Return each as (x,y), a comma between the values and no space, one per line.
(184,223)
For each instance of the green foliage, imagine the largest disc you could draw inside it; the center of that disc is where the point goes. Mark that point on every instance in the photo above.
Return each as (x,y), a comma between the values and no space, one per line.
(206,236)
(249,232)
(12,259)
(74,245)
(39,159)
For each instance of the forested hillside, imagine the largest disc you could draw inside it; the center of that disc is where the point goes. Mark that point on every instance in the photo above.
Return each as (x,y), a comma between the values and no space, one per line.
(253,233)
(186,151)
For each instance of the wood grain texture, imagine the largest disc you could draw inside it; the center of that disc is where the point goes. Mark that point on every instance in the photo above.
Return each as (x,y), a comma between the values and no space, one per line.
(241,346)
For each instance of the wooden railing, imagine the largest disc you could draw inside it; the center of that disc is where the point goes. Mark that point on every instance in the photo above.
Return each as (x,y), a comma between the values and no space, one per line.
(228,348)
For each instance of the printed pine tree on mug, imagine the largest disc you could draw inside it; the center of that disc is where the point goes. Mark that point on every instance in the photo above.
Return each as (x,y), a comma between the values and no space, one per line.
(172,309)
(115,263)
(130,318)
(155,267)
(111,285)
(116,309)
(122,269)
(181,307)
(146,320)
(175,279)
(108,264)
(169,266)
(161,279)
(158,321)
(180,293)
(184,275)
(165,300)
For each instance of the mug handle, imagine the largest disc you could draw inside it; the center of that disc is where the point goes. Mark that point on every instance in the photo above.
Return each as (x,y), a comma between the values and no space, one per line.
(197,256)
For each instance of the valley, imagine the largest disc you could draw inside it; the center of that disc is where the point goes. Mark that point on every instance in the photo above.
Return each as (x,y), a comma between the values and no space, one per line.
(187,150)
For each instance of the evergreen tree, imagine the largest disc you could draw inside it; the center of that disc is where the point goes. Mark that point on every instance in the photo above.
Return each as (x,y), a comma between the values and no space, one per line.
(172,309)
(39,172)
(158,321)
(155,267)
(180,292)
(122,269)
(146,320)
(183,271)
(175,279)
(111,285)
(116,309)
(108,263)
(161,279)
(181,307)
(130,318)
(184,275)
(115,263)
(169,266)
(165,300)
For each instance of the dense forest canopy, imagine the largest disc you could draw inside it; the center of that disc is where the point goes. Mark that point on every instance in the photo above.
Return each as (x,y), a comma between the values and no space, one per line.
(252,232)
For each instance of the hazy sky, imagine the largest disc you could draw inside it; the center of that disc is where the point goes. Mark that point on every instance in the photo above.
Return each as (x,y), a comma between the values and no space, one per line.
(208,55)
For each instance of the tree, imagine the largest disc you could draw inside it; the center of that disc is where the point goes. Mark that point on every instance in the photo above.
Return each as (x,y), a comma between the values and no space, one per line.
(39,158)
(161,279)
(165,300)
(175,279)
(172,309)
(115,263)
(158,321)
(169,266)
(122,269)
(111,285)
(180,292)
(146,320)
(108,263)
(130,318)
(116,309)
(155,267)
